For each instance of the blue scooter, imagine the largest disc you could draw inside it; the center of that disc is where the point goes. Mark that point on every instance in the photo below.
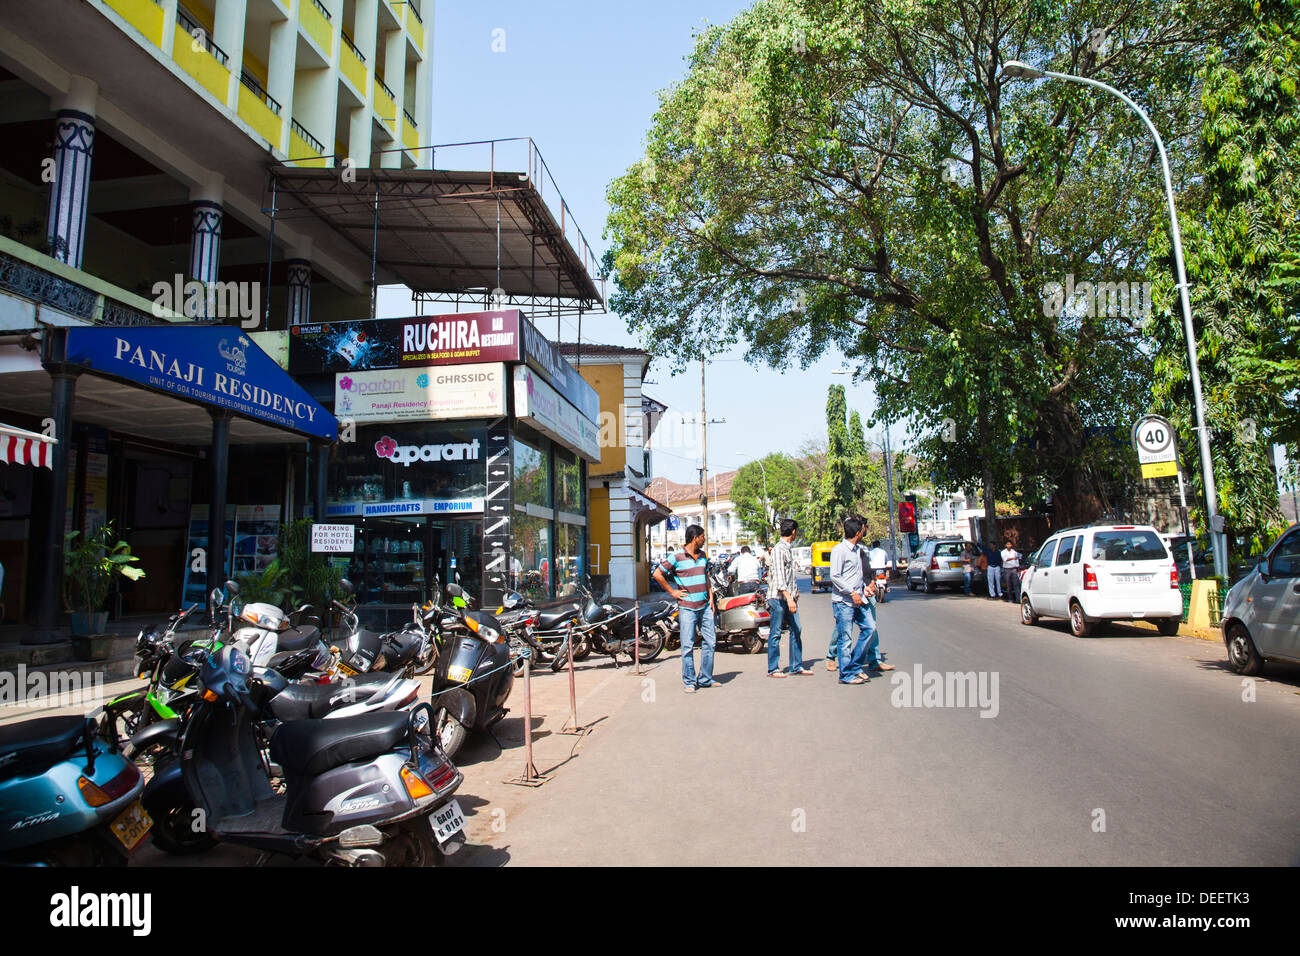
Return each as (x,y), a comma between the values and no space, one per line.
(67,798)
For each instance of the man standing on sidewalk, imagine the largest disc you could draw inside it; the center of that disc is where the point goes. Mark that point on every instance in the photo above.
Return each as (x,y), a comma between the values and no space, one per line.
(848,602)
(782,604)
(690,569)
(994,571)
(1011,573)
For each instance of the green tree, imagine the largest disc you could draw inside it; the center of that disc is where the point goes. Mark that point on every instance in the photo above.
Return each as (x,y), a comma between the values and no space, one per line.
(854,174)
(787,493)
(1243,265)
(835,493)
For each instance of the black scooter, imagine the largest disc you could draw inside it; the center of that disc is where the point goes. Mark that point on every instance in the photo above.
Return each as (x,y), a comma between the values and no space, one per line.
(362,791)
(363,651)
(473,675)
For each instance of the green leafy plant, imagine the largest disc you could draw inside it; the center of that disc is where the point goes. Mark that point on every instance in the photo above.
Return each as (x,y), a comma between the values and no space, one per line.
(91,562)
(311,579)
(268,586)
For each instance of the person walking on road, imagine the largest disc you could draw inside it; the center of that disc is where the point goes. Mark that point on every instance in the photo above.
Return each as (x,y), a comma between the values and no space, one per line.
(1010,573)
(849,596)
(783,605)
(694,595)
(747,570)
(994,571)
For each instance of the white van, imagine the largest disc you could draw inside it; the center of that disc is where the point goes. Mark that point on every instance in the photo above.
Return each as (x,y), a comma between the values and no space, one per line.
(1103,573)
(803,560)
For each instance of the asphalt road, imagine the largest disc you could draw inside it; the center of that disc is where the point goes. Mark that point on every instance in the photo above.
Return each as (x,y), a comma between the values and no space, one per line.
(1124,748)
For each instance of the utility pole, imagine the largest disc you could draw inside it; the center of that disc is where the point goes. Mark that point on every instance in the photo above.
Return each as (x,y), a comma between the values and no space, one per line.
(704,449)
(889,488)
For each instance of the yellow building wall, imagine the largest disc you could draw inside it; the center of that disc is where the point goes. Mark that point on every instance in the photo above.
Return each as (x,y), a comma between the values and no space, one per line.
(145,15)
(607,380)
(201,65)
(598,529)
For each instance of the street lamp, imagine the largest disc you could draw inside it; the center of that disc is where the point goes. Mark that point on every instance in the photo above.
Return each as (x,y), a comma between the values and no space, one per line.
(767,508)
(1016,69)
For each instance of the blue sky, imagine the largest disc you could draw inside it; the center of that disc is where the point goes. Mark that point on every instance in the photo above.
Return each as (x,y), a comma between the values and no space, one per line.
(582,79)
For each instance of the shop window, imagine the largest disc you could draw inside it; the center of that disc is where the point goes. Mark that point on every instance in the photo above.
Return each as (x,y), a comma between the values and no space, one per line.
(532,476)
(530,556)
(568,482)
(408,462)
(570,560)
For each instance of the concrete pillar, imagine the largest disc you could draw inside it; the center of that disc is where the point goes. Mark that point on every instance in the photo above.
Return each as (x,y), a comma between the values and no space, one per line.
(49,570)
(205,241)
(74,146)
(298,298)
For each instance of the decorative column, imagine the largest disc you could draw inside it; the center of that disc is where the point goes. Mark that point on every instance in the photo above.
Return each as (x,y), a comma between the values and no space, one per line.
(298,301)
(74,146)
(205,247)
(219,470)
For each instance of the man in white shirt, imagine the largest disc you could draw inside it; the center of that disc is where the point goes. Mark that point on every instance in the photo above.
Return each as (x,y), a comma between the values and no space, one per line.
(878,556)
(745,566)
(1011,573)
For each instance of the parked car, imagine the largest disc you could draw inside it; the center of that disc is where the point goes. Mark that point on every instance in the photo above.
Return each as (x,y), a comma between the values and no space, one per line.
(803,560)
(1103,573)
(1261,614)
(939,564)
(1202,559)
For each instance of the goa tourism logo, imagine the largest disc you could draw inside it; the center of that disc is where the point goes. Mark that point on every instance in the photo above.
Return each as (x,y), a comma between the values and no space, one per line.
(235,355)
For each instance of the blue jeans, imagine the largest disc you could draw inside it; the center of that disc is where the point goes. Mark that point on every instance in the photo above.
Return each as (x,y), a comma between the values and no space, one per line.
(782,616)
(686,619)
(854,656)
(966,575)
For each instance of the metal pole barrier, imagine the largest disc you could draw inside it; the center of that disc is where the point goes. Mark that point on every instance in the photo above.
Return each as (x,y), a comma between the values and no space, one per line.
(571,726)
(636,637)
(530,777)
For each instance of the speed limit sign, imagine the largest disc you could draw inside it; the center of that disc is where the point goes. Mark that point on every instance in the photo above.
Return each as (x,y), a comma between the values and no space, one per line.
(1157,446)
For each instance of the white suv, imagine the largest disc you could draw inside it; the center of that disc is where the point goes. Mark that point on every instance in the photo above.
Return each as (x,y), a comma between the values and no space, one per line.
(1103,573)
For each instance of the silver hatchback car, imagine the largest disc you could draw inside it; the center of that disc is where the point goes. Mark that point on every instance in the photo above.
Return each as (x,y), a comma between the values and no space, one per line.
(939,563)
(1261,614)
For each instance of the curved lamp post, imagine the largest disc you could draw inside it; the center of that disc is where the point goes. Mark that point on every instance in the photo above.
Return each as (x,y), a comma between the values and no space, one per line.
(1016,69)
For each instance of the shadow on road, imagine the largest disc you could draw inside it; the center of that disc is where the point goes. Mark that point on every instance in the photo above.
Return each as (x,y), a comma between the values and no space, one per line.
(1275,672)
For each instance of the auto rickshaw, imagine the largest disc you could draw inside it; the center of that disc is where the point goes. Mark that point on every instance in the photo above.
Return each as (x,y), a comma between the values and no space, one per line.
(821,565)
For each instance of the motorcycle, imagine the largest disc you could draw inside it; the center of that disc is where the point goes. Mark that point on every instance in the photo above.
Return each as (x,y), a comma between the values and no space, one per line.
(882,584)
(407,651)
(66,796)
(473,675)
(369,790)
(610,627)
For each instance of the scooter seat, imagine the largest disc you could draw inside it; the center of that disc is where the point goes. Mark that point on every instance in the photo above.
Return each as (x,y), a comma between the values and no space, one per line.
(726,604)
(299,701)
(653,610)
(311,747)
(296,638)
(35,745)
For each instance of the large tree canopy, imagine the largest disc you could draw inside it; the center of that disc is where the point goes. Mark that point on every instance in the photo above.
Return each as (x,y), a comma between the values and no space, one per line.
(855,174)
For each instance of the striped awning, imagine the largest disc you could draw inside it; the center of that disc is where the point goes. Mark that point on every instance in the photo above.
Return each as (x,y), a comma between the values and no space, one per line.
(19,447)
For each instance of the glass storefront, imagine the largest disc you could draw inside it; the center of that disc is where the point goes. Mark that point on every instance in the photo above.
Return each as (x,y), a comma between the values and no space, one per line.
(530,556)
(548,527)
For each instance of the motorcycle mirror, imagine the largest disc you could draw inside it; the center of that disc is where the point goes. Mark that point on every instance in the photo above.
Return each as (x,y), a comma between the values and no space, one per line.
(232,588)
(346,586)
(511,600)
(455,590)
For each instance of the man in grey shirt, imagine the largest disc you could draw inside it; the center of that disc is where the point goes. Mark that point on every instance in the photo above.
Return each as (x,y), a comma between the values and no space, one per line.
(850,603)
(783,605)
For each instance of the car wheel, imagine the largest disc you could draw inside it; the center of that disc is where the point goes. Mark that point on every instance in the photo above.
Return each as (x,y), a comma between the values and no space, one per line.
(1027,615)
(1169,626)
(1080,626)
(926,586)
(911,585)
(1243,657)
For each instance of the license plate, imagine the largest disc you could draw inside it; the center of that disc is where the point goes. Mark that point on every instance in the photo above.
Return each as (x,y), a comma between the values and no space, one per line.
(346,671)
(447,821)
(954,565)
(459,674)
(1134,578)
(131,826)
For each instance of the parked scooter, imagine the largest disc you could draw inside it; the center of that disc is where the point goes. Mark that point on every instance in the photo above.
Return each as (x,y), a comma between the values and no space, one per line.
(66,796)
(364,651)
(373,790)
(741,616)
(610,627)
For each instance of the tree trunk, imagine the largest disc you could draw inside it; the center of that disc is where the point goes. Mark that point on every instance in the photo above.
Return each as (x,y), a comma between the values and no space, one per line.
(990,495)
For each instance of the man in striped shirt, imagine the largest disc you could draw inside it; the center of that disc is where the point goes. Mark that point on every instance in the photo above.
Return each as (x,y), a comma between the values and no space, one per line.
(693,590)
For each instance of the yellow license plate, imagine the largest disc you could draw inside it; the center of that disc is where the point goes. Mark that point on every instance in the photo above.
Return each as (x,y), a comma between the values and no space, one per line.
(459,674)
(131,826)
(347,671)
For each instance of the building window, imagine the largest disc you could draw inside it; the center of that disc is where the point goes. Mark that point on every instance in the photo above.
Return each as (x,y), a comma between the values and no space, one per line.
(530,556)
(532,478)
(568,482)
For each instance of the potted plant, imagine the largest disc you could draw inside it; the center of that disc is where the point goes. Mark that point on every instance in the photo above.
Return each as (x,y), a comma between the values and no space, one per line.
(91,563)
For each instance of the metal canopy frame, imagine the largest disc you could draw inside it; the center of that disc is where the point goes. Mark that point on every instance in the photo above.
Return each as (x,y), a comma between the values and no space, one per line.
(473,236)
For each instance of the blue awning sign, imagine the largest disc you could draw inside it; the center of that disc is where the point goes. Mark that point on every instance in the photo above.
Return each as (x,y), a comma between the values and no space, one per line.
(218,366)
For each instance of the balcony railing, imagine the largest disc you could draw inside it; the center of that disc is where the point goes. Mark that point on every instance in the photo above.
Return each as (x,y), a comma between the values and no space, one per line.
(53,291)
(250,81)
(410,6)
(347,40)
(200,33)
(410,119)
(307,137)
(386,89)
(324,12)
